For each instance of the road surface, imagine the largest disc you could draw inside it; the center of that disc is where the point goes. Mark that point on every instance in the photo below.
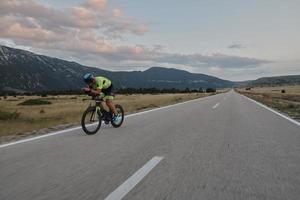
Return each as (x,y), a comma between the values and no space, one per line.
(219,147)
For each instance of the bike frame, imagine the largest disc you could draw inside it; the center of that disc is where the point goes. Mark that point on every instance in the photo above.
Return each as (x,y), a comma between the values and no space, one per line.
(100,108)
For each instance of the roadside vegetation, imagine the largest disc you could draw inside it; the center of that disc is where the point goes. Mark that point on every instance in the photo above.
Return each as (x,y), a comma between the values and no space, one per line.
(6,115)
(32,102)
(283,98)
(27,115)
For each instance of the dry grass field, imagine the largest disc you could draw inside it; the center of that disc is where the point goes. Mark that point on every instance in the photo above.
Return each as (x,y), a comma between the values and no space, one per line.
(21,120)
(283,98)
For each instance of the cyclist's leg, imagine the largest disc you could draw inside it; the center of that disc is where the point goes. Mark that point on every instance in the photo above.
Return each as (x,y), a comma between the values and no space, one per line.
(101,96)
(109,96)
(111,106)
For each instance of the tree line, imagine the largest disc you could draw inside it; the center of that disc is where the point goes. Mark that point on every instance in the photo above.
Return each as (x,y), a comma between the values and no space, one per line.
(152,90)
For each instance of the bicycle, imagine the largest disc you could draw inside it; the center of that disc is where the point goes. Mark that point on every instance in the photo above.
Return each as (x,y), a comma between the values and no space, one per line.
(94,115)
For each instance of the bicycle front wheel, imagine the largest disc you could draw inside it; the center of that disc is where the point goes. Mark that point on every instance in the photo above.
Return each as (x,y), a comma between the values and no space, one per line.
(91,121)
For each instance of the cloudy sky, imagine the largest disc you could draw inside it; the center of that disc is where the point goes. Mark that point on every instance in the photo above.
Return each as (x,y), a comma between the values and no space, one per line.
(235,40)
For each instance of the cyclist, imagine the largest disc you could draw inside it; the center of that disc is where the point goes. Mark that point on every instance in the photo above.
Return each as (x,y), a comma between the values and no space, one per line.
(102,86)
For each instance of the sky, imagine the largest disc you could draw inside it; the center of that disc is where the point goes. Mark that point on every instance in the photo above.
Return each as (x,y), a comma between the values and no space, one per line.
(234,40)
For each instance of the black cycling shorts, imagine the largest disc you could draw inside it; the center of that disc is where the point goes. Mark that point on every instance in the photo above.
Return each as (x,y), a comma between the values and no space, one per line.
(109,91)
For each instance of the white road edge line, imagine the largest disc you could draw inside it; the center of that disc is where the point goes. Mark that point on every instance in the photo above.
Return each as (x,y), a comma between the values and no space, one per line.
(215,106)
(131,182)
(270,109)
(38,137)
(79,127)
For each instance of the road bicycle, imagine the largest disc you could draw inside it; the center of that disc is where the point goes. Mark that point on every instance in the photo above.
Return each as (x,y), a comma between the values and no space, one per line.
(93,116)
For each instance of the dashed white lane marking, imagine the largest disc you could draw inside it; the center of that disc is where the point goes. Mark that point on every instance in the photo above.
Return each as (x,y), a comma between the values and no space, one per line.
(215,106)
(131,182)
(266,107)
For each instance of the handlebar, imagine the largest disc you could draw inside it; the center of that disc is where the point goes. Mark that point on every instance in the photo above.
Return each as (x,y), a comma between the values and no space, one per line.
(95,98)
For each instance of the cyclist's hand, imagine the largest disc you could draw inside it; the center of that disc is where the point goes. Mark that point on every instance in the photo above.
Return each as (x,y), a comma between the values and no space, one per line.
(86,90)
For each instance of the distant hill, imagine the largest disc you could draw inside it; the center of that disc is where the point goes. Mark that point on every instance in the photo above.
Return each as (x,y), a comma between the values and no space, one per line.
(24,71)
(276,81)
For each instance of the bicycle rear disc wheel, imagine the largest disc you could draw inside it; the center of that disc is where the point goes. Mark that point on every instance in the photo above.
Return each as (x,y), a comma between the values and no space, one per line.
(120,111)
(90,121)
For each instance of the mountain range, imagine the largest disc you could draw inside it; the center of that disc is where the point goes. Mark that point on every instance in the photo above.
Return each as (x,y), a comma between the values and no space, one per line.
(276,80)
(24,71)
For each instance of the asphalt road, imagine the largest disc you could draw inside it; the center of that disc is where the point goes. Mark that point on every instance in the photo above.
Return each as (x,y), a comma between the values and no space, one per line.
(219,147)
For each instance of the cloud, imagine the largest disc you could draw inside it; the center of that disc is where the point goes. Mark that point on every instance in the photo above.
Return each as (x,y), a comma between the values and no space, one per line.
(192,60)
(236,46)
(92,14)
(117,12)
(137,57)
(86,28)
(88,32)
(96,4)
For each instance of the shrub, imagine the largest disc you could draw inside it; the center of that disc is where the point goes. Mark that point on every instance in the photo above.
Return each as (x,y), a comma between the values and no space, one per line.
(291,106)
(208,90)
(4,115)
(177,99)
(42,111)
(187,90)
(282,91)
(147,106)
(32,102)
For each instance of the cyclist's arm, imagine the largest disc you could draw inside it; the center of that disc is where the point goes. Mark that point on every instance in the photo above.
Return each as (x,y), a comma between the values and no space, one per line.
(96,89)
(96,92)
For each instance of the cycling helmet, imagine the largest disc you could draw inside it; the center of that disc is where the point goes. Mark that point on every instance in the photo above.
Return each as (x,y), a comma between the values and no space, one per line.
(88,77)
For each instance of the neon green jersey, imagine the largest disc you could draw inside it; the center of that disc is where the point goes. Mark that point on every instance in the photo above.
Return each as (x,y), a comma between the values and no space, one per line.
(101,83)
